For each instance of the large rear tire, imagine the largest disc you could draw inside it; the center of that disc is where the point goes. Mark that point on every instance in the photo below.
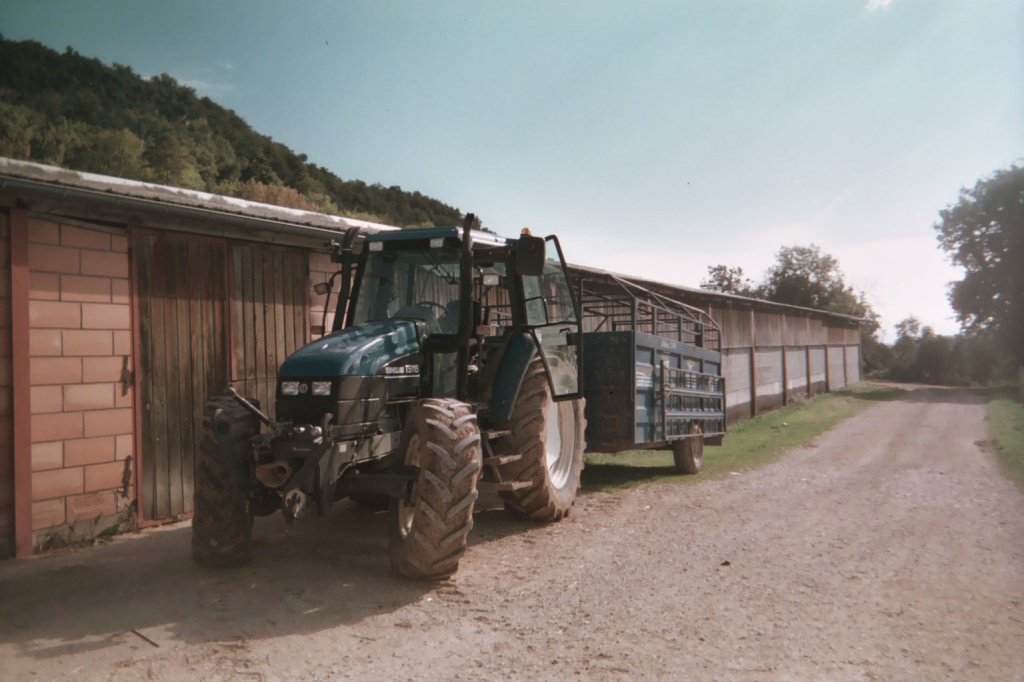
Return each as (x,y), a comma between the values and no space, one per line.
(549,437)
(222,515)
(430,528)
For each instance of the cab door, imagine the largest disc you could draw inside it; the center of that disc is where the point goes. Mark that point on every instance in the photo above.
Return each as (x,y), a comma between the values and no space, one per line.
(553,318)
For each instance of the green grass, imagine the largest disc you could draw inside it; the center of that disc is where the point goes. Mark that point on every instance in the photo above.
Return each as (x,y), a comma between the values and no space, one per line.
(750,443)
(1006,426)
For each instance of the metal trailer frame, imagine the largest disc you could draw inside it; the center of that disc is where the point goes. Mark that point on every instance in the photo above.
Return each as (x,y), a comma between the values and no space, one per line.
(652,368)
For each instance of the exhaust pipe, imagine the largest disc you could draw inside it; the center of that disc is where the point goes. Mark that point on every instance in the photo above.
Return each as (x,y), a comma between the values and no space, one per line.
(274,475)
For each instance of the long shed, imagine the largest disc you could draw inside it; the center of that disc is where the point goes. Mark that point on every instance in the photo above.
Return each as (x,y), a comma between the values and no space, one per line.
(125,305)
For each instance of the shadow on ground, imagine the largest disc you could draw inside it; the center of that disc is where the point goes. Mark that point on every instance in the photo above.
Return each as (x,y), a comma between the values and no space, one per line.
(311,576)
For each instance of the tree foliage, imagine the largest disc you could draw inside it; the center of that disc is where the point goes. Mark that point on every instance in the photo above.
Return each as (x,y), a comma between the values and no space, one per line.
(802,276)
(984,233)
(728,280)
(920,355)
(66,110)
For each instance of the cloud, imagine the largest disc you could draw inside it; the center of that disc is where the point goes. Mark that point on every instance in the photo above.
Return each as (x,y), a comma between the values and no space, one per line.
(208,89)
(878,4)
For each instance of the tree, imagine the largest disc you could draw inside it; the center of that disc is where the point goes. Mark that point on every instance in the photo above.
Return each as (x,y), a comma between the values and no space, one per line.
(727,280)
(804,276)
(984,233)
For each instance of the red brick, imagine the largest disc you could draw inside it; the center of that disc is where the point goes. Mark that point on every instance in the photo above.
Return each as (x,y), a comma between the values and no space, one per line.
(44,399)
(87,239)
(88,342)
(103,476)
(85,289)
(101,370)
(122,343)
(119,292)
(54,315)
(125,445)
(47,455)
(45,258)
(105,316)
(43,286)
(320,262)
(119,244)
(108,422)
(44,342)
(90,451)
(89,506)
(104,263)
(56,483)
(46,371)
(61,426)
(43,231)
(123,398)
(89,397)
(48,513)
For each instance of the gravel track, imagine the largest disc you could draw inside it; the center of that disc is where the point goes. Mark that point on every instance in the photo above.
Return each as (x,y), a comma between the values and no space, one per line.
(891,548)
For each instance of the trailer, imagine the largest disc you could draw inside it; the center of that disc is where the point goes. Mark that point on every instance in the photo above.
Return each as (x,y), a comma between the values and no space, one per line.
(652,372)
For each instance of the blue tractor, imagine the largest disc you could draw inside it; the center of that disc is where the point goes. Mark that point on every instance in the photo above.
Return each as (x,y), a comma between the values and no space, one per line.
(453,355)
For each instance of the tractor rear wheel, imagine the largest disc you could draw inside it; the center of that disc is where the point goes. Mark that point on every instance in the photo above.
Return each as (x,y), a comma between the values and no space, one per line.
(548,436)
(688,452)
(429,528)
(222,515)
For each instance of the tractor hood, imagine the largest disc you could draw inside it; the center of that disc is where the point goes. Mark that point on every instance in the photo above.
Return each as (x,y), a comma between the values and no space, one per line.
(362,350)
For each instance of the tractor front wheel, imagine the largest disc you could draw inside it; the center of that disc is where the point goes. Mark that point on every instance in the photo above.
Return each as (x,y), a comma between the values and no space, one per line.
(222,515)
(429,527)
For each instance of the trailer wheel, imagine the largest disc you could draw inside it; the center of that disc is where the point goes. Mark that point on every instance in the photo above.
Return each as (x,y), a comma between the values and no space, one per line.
(689,452)
(548,436)
(222,516)
(429,528)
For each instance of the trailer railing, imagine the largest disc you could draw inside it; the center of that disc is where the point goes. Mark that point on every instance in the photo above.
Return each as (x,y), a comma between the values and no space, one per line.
(616,304)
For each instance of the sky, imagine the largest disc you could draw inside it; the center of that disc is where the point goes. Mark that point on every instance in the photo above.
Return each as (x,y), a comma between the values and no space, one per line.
(655,138)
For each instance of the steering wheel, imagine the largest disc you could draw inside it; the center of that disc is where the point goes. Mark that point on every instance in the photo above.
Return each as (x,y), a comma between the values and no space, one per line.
(441,310)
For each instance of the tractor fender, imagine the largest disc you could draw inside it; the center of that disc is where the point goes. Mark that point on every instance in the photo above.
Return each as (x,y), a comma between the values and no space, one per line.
(515,359)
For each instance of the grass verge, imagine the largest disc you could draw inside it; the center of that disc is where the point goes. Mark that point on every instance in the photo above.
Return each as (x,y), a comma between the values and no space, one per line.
(750,443)
(1006,427)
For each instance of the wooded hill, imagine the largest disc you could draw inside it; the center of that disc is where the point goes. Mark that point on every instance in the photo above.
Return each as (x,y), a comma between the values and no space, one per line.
(67,110)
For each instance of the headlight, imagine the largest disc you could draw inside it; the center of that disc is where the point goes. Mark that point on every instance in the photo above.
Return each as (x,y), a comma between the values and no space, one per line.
(321,388)
(289,388)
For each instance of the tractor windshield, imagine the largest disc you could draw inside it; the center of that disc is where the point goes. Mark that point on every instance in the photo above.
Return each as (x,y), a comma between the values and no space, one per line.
(417,284)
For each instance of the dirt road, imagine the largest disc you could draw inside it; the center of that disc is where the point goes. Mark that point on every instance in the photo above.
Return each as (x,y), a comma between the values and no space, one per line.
(890,549)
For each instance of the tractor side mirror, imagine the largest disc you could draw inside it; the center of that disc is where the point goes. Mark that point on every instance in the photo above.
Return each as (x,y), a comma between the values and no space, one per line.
(530,256)
(321,288)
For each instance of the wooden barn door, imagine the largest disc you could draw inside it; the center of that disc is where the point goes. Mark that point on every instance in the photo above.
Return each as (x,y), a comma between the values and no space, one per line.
(269,316)
(182,335)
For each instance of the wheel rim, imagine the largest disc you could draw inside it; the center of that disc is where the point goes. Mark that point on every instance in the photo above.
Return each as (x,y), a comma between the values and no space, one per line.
(560,437)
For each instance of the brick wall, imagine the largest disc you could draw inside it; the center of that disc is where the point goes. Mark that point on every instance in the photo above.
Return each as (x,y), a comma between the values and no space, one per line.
(80,338)
(6,397)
